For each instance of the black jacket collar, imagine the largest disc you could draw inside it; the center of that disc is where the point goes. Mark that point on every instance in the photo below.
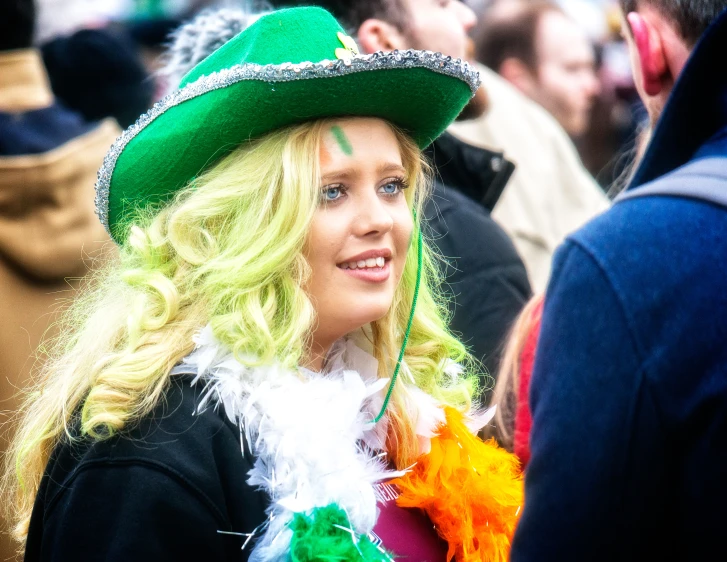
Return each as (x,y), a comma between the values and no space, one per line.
(478,173)
(695,111)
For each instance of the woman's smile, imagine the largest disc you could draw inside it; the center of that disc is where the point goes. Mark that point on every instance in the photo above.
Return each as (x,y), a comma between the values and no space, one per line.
(371,266)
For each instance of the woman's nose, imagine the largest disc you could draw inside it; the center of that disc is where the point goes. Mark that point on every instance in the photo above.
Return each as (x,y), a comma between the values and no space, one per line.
(373,217)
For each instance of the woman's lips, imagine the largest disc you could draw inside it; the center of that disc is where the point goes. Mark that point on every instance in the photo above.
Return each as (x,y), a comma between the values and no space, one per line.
(375,274)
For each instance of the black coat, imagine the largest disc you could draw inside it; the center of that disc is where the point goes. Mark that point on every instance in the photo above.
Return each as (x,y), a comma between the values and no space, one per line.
(485,275)
(159,492)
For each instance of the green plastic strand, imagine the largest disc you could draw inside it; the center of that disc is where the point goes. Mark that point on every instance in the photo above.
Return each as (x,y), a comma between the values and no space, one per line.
(408,327)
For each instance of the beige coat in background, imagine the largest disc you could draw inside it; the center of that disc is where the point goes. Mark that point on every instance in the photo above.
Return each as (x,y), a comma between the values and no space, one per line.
(49,233)
(550,193)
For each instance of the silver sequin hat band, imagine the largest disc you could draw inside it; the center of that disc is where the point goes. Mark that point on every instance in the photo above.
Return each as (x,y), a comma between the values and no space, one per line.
(287,72)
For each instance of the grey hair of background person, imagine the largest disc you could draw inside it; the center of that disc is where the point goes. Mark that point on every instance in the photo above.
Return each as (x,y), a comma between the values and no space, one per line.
(196,39)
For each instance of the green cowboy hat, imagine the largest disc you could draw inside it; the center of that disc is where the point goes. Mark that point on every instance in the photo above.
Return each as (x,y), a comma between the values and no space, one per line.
(290,66)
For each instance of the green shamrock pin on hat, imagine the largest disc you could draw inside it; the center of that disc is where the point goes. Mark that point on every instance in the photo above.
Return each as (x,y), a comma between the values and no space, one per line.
(290,66)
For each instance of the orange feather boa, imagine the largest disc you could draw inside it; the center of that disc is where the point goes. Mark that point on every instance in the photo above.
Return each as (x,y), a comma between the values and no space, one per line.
(471,490)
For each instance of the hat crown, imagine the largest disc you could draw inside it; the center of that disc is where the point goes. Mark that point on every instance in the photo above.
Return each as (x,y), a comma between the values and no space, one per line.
(295,35)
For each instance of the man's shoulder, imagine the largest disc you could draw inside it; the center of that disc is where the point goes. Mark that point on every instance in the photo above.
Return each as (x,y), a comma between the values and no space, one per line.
(662,218)
(652,248)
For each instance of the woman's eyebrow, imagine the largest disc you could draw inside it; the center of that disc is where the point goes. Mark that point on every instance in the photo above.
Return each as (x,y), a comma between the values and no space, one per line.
(343,174)
(353,172)
(390,167)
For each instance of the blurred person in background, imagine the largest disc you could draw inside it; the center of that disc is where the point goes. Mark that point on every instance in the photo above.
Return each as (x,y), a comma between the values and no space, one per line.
(487,278)
(199,37)
(49,233)
(100,74)
(550,193)
(628,391)
(608,145)
(120,41)
(545,55)
(56,18)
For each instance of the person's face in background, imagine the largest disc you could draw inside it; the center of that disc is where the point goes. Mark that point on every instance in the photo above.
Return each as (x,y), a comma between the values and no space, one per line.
(432,25)
(439,25)
(444,26)
(565,82)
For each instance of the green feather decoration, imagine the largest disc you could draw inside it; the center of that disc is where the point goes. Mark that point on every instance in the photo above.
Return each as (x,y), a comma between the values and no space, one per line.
(326,536)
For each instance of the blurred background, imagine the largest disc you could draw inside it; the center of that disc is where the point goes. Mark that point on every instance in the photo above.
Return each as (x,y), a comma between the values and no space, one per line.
(593,80)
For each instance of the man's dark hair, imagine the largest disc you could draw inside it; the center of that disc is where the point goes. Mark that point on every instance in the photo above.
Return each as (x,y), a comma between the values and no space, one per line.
(17,24)
(691,17)
(352,13)
(511,35)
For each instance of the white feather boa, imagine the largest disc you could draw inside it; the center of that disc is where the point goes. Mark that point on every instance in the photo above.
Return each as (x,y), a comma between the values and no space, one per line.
(312,435)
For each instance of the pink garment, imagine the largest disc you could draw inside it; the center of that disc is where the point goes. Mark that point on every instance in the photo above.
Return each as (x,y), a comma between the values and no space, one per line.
(406,533)
(523,416)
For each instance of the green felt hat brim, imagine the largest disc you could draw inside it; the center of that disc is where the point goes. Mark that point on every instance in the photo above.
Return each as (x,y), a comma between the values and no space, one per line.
(185,139)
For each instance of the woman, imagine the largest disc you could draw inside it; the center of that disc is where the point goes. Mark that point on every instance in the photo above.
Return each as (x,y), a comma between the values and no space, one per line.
(230,392)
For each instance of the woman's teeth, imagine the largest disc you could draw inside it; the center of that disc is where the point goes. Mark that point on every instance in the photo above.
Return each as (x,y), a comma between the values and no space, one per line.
(361,264)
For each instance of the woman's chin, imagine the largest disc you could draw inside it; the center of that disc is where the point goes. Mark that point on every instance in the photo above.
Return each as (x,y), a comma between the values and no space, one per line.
(363,314)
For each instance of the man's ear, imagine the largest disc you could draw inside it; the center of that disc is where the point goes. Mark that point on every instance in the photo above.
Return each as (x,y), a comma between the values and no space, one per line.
(377,35)
(518,74)
(650,50)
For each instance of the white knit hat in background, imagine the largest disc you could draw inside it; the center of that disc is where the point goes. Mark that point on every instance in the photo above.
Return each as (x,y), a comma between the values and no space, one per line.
(200,37)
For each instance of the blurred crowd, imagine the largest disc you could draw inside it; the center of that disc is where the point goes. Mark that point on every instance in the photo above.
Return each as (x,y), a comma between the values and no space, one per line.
(545,146)
(106,59)
(567,55)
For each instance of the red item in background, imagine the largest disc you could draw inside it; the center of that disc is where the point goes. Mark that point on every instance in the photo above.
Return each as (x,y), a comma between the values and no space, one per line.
(523,416)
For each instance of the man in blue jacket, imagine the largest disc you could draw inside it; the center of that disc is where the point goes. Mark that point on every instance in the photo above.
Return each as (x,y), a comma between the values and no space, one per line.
(629,391)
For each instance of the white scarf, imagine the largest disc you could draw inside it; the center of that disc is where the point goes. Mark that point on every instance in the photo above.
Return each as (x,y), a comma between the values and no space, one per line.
(312,436)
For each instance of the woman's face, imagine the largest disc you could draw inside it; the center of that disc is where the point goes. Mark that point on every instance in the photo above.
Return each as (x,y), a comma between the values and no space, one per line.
(361,229)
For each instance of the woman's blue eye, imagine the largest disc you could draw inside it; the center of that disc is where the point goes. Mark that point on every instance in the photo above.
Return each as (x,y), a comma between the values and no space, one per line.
(393,187)
(332,193)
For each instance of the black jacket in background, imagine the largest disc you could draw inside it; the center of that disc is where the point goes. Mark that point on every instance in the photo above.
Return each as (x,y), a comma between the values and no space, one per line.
(485,275)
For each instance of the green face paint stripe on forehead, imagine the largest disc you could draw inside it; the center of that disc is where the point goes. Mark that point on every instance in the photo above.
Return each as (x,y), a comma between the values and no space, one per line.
(341,139)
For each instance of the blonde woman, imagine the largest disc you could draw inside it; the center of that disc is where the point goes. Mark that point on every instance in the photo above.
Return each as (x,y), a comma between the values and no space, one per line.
(266,374)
